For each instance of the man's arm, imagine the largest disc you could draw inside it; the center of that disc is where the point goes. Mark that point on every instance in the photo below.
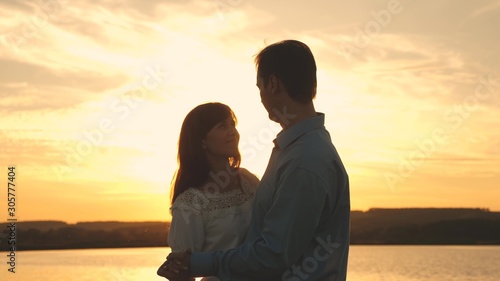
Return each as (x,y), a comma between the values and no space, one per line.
(288,228)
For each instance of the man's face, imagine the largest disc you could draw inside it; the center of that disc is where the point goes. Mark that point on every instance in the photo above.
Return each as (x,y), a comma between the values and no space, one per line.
(265,95)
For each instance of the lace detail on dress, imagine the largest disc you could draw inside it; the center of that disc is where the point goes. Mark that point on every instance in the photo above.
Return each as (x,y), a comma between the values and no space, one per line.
(210,204)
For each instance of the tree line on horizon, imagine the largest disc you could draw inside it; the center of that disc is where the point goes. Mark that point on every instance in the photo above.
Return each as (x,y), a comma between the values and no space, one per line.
(374,227)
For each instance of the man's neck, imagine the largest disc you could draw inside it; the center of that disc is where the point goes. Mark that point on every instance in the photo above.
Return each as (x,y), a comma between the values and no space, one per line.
(299,113)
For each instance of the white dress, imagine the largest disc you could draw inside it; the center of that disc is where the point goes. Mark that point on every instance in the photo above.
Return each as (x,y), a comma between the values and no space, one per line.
(204,221)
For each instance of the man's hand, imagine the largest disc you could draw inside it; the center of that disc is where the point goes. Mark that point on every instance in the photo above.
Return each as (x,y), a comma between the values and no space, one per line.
(176,267)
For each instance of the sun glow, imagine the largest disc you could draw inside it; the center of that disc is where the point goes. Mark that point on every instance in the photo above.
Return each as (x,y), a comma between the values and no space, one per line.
(92,100)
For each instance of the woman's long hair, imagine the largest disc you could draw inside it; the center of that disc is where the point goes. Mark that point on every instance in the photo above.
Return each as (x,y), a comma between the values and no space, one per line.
(193,168)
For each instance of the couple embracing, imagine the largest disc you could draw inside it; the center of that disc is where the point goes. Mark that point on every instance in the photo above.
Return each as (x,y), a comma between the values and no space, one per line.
(293,224)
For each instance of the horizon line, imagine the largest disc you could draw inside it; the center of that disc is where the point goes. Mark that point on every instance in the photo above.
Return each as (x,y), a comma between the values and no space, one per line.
(167,221)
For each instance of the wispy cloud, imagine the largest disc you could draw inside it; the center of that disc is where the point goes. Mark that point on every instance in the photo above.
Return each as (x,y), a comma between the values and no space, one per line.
(492,6)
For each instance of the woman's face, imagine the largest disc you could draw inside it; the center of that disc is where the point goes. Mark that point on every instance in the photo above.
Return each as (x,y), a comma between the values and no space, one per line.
(222,140)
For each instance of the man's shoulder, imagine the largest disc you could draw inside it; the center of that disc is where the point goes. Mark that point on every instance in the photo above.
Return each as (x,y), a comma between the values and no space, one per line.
(314,151)
(313,145)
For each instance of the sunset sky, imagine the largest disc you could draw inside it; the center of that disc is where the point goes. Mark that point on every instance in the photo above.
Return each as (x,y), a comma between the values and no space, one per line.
(93,94)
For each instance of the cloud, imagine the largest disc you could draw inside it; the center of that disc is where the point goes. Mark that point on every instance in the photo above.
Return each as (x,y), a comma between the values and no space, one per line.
(488,8)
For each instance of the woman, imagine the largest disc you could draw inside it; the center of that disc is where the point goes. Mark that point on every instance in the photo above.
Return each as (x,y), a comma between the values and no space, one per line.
(212,196)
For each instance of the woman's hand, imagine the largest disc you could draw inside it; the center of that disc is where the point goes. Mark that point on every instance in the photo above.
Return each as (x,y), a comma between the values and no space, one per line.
(176,267)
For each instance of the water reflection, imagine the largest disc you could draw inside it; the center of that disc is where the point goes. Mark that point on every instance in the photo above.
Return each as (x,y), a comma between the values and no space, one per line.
(366,263)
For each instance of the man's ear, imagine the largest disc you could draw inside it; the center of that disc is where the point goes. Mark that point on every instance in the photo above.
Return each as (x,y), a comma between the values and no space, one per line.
(273,83)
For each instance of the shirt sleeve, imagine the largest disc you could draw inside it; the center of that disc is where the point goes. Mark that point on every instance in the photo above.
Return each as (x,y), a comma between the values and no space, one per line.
(186,229)
(288,228)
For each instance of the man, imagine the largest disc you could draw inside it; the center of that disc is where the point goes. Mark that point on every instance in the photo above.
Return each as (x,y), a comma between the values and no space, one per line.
(301,216)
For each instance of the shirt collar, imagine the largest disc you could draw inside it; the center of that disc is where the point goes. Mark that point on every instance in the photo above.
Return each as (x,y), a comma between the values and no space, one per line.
(285,138)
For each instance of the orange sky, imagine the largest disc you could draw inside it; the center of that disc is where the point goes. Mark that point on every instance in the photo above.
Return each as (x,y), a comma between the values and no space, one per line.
(92,97)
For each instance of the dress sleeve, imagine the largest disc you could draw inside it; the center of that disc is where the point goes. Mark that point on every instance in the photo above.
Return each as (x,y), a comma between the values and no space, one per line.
(186,229)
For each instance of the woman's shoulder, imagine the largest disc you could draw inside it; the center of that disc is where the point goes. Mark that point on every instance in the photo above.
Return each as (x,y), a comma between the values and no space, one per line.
(249,176)
(191,199)
(245,172)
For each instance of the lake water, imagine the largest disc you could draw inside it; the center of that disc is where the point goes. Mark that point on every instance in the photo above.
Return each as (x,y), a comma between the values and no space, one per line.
(366,263)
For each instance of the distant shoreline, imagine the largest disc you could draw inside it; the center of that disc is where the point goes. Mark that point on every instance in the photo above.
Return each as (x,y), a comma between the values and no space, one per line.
(431,226)
(148,247)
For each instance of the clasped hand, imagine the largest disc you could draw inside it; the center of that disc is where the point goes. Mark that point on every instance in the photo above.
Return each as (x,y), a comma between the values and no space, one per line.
(176,267)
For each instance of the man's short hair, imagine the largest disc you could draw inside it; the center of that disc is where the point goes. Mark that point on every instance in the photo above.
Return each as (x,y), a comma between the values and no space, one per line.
(293,63)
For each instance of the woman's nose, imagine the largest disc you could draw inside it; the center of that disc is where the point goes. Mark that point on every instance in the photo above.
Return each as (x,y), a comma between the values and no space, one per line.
(234,131)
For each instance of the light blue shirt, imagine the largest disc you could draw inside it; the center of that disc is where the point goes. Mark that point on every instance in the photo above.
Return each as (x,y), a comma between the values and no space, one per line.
(301,216)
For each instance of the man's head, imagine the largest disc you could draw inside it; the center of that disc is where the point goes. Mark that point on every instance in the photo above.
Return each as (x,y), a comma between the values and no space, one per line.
(286,70)
(291,62)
